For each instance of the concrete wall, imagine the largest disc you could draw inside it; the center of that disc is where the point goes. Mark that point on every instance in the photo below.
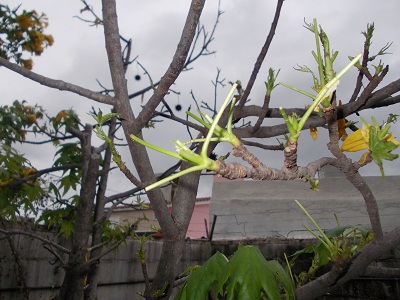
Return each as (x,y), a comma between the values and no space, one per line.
(128,216)
(256,209)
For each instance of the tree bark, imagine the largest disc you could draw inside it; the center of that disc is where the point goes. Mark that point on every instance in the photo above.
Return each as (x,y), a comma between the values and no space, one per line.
(99,211)
(73,283)
(356,266)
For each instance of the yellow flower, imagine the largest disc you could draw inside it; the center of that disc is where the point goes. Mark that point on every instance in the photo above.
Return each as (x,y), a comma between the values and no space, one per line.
(28,171)
(49,39)
(27,63)
(357,141)
(392,139)
(32,118)
(314,133)
(24,21)
(61,115)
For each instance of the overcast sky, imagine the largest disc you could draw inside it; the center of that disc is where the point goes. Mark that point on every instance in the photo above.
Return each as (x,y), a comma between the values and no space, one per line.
(78,56)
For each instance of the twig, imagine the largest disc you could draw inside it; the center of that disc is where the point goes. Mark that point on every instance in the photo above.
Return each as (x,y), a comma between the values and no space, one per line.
(35,236)
(261,56)
(176,65)
(262,146)
(57,84)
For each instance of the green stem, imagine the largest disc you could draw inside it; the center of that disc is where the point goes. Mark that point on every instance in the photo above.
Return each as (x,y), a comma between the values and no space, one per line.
(328,89)
(291,129)
(327,240)
(172,177)
(154,147)
(298,90)
(318,238)
(202,122)
(319,59)
(216,120)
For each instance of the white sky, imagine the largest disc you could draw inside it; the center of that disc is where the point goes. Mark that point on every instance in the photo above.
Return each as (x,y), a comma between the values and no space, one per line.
(78,56)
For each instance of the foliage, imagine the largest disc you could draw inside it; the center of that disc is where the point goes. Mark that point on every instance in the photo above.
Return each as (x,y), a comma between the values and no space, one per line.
(17,119)
(378,140)
(22,32)
(19,123)
(247,275)
(332,246)
(19,191)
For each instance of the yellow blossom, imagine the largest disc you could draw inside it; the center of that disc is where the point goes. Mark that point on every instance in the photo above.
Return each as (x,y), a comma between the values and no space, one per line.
(24,21)
(32,118)
(27,63)
(61,115)
(314,133)
(357,141)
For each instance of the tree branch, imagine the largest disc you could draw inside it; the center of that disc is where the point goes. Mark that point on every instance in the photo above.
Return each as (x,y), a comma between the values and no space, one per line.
(348,270)
(177,64)
(19,181)
(261,56)
(35,236)
(57,84)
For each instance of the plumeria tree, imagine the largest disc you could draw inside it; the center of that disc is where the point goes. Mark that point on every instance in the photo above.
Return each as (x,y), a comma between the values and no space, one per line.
(70,195)
(89,163)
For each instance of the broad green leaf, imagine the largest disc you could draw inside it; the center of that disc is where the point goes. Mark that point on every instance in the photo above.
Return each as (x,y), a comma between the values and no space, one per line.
(337,231)
(247,275)
(364,230)
(283,278)
(322,255)
(67,228)
(200,282)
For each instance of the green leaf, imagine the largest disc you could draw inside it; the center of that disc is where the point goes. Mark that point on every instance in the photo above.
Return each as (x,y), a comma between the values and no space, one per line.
(283,278)
(337,231)
(207,275)
(380,148)
(247,275)
(364,230)
(67,228)
(322,255)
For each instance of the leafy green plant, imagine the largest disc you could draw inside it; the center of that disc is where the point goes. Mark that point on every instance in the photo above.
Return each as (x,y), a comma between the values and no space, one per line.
(337,244)
(247,275)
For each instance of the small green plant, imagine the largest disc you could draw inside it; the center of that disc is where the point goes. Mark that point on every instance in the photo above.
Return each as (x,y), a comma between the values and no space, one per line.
(332,246)
(247,275)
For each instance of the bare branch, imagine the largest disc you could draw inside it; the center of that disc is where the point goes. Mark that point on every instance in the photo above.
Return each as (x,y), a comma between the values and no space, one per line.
(35,236)
(262,146)
(352,175)
(176,65)
(57,84)
(261,56)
